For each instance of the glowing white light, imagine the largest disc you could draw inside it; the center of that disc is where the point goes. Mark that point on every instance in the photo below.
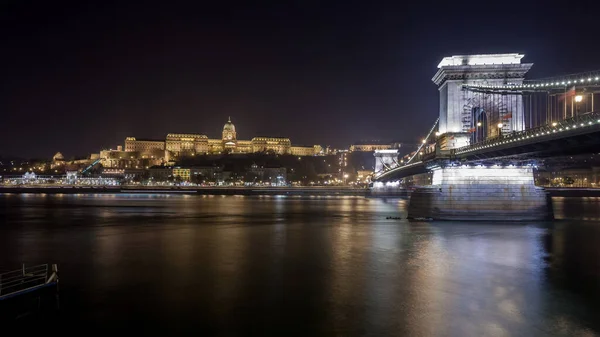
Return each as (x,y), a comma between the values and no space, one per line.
(578,98)
(554,124)
(589,79)
(459,60)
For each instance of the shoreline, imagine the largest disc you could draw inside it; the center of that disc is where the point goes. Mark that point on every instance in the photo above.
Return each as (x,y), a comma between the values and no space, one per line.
(320,190)
(189,190)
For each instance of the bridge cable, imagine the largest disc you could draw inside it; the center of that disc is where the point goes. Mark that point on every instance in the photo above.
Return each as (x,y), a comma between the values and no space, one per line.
(423,144)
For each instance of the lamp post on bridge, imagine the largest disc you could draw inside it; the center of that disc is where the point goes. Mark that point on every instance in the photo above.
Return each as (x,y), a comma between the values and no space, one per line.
(500,125)
(578,100)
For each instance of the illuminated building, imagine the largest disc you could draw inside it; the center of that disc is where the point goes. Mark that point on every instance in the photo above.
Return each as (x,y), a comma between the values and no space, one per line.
(143,145)
(370,146)
(269,144)
(186,144)
(181,145)
(58,160)
(273,175)
(183,173)
(306,150)
(229,134)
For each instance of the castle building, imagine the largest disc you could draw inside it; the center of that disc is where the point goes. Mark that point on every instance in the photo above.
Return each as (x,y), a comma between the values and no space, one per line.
(178,145)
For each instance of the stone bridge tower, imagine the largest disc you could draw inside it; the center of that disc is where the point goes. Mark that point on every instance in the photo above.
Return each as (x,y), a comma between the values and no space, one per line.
(457,107)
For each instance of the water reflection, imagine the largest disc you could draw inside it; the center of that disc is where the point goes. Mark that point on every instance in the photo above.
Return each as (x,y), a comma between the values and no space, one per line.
(305,265)
(580,208)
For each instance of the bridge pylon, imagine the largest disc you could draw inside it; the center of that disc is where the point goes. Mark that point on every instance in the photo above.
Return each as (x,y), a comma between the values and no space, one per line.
(462,113)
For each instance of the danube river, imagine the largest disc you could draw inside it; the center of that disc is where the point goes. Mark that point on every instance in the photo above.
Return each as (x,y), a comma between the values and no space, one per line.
(304,266)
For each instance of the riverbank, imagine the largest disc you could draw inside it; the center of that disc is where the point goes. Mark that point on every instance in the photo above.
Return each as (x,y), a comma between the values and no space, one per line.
(315,190)
(320,190)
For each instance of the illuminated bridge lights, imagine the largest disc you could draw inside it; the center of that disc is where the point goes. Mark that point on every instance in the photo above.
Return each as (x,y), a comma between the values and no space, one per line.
(476,147)
(536,85)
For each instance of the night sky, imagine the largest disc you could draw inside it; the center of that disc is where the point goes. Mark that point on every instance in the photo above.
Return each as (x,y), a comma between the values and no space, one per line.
(81,76)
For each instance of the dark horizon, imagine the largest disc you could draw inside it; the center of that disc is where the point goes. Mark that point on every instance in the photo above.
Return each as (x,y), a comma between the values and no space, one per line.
(82,76)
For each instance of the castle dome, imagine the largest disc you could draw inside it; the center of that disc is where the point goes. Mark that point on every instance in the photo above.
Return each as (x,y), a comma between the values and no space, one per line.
(58,157)
(229,126)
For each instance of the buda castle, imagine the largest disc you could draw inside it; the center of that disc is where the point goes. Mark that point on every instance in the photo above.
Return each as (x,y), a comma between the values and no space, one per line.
(177,145)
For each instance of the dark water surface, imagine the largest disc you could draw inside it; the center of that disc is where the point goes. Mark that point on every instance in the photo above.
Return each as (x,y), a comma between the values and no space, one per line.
(304,266)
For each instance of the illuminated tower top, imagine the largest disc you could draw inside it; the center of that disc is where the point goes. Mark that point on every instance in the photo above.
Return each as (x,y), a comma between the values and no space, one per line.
(458,109)
(229,131)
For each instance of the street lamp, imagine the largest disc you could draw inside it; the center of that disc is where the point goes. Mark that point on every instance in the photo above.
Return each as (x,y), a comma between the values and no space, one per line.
(424,141)
(478,123)
(500,125)
(578,100)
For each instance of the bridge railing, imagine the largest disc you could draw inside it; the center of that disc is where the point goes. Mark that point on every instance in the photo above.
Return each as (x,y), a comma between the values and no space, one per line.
(558,126)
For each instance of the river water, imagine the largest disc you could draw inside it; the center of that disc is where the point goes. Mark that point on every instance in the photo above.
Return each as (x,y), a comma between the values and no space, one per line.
(304,266)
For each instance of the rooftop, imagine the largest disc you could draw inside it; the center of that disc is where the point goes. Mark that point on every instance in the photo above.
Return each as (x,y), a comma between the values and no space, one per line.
(481,59)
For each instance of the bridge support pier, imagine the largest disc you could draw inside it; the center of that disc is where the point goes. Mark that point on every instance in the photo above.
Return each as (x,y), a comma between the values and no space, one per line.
(481,193)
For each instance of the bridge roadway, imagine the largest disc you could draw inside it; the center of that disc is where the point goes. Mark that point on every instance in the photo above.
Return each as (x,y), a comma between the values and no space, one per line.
(577,135)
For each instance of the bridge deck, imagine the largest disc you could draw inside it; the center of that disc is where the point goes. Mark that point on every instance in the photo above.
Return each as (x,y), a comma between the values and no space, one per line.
(580,134)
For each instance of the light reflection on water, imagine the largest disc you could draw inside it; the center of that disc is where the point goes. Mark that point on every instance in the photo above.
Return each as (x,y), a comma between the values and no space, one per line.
(305,266)
(581,208)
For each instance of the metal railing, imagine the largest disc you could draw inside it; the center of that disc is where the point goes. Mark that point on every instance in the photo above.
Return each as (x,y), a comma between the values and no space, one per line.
(573,123)
(26,278)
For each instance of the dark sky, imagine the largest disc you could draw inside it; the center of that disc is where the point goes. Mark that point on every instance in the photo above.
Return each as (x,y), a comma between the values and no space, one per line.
(81,76)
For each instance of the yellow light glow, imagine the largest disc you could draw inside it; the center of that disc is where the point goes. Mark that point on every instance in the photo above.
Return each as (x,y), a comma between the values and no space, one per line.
(478,123)
(578,98)
(500,125)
